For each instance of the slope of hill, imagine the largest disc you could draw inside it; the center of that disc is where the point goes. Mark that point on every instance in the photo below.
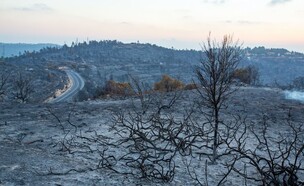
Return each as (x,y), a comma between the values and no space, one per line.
(85,143)
(276,65)
(41,146)
(99,61)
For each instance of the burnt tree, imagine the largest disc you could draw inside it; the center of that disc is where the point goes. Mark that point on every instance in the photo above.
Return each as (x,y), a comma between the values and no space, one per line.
(3,81)
(23,88)
(215,75)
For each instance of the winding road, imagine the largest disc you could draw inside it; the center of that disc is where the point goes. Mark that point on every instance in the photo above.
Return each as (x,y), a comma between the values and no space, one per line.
(77,84)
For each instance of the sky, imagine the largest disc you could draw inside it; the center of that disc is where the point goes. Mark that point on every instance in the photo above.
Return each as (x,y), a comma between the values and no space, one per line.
(181,24)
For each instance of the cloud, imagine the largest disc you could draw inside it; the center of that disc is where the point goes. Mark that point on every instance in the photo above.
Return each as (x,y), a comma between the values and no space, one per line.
(35,8)
(214,1)
(125,23)
(228,21)
(276,2)
(183,11)
(187,17)
(242,22)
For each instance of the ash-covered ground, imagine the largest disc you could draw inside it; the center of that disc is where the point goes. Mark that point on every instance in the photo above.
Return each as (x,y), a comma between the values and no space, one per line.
(34,147)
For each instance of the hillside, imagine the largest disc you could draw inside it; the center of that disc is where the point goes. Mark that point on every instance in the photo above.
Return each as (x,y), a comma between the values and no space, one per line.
(276,65)
(69,143)
(149,138)
(99,61)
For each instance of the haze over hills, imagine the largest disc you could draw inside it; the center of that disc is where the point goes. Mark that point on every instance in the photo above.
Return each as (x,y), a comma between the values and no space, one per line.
(15,49)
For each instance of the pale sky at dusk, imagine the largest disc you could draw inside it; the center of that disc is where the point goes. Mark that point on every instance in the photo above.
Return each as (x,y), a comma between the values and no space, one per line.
(178,23)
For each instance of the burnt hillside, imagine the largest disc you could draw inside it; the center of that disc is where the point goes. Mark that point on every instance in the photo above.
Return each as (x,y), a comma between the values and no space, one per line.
(98,61)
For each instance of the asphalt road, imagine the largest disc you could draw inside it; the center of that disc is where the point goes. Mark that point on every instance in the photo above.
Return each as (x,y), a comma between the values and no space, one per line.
(77,84)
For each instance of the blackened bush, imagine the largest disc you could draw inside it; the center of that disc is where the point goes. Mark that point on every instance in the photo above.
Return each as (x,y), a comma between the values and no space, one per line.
(248,75)
(116,88)
(168,84)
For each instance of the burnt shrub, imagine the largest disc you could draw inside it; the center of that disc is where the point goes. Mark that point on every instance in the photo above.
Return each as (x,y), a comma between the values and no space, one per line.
(248,75)
(168,84)
(113,88)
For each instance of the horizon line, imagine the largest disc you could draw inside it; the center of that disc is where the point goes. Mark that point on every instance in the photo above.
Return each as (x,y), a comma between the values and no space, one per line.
(137,42)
